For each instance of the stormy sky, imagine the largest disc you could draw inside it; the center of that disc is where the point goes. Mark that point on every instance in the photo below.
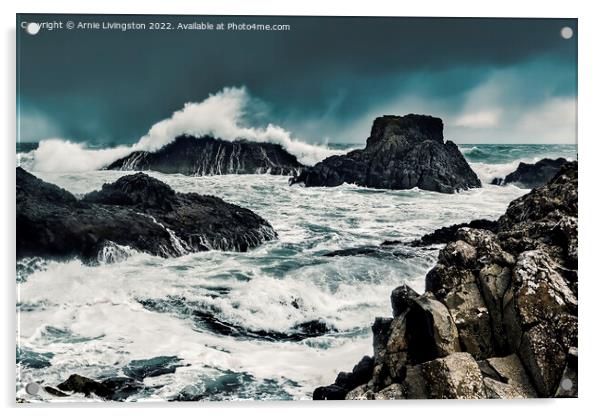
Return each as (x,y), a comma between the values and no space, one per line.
(491,80)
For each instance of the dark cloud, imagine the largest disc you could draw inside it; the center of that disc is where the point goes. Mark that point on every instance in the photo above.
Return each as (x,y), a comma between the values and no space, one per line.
(316,79)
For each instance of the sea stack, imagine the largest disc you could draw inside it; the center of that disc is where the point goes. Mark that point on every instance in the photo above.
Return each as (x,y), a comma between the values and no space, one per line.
(199,156)
(401,153)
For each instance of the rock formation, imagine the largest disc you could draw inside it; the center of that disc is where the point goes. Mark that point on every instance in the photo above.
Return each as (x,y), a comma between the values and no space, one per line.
(136,211)
(206,155)
(531,175)
(499,315)
(401,153)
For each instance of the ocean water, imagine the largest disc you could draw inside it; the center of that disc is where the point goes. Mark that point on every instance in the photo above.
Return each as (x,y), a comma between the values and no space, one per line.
(95,320)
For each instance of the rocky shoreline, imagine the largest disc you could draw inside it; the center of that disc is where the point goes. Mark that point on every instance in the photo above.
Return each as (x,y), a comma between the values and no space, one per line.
(498,318)
(138,212)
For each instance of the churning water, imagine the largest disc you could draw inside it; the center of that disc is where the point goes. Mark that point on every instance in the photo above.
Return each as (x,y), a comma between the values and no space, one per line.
(231,318)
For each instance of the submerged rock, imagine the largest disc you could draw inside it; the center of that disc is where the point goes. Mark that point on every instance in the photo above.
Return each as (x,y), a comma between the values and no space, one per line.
(499,316)
(206,155)
(136,211)
(531,175)
(401,153)
(115,388)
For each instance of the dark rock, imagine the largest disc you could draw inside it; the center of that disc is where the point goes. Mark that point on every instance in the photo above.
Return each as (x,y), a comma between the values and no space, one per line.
(401,299)
(431,330)
(401,153)
(361,374)
(55,392)
(80,384)
(136,211)
(115,388)
(446,235)
(332,392)
(529,175)
(206,155)
(456,376)
(505,296)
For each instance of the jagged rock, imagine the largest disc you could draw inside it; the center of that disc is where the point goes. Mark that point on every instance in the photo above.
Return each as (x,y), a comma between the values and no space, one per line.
(447,234)
(506,296)
(472,320)
(510,371)
(361,374)
(414,384)
(431,330)
(531,175)
(332,392)
(401,299)
(362,392)
(401,153)
(206,155)
(392,392)
(456,376)
(136,211)
(494,280)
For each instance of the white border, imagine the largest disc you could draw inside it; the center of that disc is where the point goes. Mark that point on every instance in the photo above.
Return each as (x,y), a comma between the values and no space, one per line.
(590,134)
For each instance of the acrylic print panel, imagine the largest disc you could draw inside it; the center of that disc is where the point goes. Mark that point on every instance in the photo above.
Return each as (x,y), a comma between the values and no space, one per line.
(290,208)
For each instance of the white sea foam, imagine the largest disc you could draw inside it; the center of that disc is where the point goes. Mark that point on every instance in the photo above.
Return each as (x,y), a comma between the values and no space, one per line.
(221,115)
(279,285)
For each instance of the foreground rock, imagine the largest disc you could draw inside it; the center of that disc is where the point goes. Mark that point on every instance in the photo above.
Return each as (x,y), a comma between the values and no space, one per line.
(136,211)
(529,175)
(401,153)
(209,156)
(499,316)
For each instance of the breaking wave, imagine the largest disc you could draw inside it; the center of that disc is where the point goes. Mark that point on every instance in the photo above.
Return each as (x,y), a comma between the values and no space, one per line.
(221,115)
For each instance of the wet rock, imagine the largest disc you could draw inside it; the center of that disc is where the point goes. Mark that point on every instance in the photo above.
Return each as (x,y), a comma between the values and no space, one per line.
(431,330)
(531,175)
(401,298)
(332,392)
(447,234)
(80,384)
(456,376)
(55,392)
(115,388)
(135,211)
(206,155)
(401,153)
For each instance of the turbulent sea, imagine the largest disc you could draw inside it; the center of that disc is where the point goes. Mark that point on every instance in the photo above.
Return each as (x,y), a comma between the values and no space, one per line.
(95,320)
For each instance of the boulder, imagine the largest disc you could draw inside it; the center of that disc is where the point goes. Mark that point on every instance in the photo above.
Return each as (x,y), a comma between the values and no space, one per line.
(206,155)
(401,299)
(136,211)
(401,153)
(532,175)
(431,330)
(456,376)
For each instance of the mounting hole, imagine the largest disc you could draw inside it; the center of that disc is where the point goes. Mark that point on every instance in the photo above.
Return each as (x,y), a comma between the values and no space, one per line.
(566,384)
(32,28)
(32,388)
(566,32)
